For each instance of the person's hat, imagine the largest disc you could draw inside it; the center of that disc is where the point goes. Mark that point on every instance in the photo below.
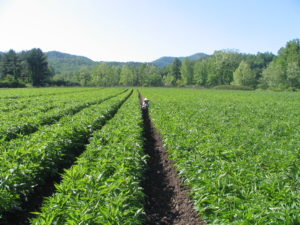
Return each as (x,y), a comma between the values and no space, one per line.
(146,99)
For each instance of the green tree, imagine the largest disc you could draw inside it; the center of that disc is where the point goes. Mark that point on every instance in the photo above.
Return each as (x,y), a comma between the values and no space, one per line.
(142,74)
(289,54)
(212,74)
(84,77)
(24,67)
(259,62)
(169,80)
(283,71)
(37,67)
(201,72)
(115,79)
(226,63)
(152,76)
(244,76)
(176,69)
(128,76)
(187,72)
(11,65)
(102,75)
(293,74)
(274,76)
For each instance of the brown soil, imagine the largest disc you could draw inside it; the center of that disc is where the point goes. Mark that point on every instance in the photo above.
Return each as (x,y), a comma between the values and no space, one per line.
(167,200)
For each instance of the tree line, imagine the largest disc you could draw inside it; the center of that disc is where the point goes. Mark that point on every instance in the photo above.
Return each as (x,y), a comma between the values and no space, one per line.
(227,68)
(27,67)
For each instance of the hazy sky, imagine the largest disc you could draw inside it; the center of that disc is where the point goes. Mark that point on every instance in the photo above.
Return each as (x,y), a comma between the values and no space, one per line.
(144,30)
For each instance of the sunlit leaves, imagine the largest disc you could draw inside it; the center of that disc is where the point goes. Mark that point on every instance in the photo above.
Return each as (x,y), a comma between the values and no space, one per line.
(103,187)
(238,151)
(26,162)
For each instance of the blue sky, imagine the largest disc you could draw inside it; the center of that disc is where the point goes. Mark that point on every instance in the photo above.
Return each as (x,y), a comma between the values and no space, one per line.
(144,30)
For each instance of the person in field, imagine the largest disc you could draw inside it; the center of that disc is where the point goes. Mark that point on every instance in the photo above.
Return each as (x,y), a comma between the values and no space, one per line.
(145,104)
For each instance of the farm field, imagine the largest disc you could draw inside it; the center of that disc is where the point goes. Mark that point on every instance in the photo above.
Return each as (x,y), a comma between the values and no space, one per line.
(17,93)
(28,160)
(103,187)
(237,151)
(27,116)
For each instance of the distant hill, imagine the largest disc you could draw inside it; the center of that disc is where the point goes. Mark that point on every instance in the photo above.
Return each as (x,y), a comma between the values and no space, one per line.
(167,60)
(63,62)
(197,56)
(163,61)
(123,63)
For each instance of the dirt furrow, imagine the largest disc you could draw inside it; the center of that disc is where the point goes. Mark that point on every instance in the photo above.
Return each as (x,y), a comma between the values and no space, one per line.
(167,200)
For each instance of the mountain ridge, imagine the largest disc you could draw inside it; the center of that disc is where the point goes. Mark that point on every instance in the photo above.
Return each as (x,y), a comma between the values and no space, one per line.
(166,60)
(64,62)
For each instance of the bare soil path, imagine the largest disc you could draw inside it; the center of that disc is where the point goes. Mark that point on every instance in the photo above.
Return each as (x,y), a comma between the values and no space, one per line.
(167,200)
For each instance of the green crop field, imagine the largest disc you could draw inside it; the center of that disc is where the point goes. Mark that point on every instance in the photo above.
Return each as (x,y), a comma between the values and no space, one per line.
(237,151)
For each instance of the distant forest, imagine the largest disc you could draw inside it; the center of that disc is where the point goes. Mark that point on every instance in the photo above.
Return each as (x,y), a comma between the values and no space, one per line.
(224,69)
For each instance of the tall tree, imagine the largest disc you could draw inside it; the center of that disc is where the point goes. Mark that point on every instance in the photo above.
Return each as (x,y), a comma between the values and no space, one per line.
(152,76)
(169,80)
(259,62)
(293,74)
(176,69)
(128,76)
(11,65)
(106,75)
(289,54)
(187,72)
(283,71)
(101,75)
(84,76)
(243,75)
(226,63)
(201,72)
(37,67)
(274,77)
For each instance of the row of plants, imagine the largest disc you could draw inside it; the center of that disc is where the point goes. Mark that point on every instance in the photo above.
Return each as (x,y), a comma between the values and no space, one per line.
(29,120)
(239,152)
(28,161)
(20,102)
(103,186)
(16,93)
